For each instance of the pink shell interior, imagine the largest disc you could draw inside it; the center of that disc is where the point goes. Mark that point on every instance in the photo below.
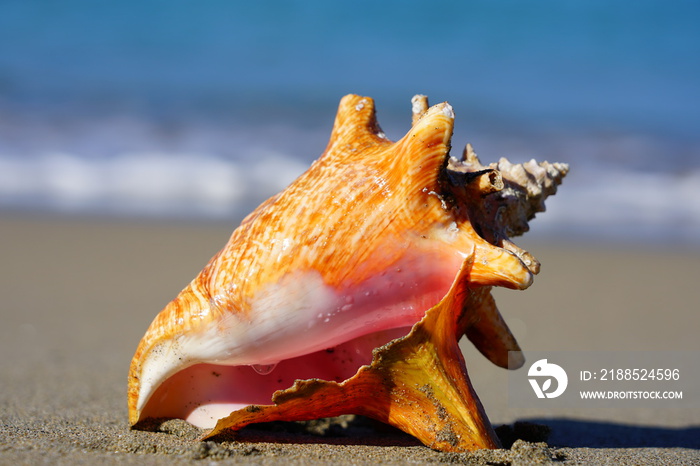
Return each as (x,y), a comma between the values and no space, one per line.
(366,316)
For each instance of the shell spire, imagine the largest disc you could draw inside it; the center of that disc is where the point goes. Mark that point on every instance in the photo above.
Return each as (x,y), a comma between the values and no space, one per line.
(522,188)
(348,291)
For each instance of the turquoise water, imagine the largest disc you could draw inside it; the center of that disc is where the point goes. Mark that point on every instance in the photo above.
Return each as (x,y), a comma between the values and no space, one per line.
(156,91)
(594,62)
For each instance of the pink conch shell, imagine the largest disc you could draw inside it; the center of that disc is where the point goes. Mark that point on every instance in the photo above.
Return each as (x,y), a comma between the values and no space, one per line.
(348,292)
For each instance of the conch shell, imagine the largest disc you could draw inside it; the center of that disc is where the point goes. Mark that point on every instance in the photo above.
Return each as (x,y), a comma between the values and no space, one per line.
(348,292)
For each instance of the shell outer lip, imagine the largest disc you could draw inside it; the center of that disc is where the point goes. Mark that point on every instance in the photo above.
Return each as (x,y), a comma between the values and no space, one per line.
(418,383)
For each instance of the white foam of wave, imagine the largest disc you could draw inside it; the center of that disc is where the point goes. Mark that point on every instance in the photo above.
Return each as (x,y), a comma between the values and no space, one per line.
(626,205)
(591,203)
(145,183)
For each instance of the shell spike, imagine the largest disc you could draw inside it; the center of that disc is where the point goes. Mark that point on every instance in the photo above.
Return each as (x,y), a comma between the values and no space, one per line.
(423,152)
(355,120)
(469,155)
(492,337)
(419,105)
(494,266)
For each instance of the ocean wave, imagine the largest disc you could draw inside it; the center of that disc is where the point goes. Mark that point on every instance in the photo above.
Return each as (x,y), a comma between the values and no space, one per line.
(592,203)
(626,206)
(145,183)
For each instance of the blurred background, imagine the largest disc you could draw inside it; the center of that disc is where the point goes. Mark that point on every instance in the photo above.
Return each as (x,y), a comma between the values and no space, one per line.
(135,135)
(200,110)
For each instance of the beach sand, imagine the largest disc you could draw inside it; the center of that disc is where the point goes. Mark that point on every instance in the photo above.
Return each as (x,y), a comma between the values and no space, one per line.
(78,294)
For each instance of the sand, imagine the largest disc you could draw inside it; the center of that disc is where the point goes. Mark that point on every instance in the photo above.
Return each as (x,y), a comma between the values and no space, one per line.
(77,295)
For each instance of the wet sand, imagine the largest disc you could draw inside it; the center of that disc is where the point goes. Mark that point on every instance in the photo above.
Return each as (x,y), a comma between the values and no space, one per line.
(77,295)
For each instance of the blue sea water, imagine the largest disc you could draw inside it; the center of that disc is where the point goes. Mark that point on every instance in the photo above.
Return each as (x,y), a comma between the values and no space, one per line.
(202,109)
